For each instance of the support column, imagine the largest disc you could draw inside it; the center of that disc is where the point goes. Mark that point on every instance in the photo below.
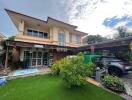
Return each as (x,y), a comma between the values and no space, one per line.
(6,60)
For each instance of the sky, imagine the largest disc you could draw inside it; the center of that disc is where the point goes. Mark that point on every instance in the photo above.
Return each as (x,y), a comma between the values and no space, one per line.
(101,17)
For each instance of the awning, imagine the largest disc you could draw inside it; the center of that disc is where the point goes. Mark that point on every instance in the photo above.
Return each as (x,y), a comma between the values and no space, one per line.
(34,45)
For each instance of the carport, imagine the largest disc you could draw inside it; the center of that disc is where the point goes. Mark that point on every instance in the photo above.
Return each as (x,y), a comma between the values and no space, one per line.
(112,46)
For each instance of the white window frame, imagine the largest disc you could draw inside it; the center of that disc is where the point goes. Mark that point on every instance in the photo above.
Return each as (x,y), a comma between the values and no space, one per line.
(38,31)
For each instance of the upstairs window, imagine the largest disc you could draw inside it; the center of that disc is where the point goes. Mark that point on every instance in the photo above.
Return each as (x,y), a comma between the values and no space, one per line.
(61,39)
(37,33)
(74,38)
(78,39)
(29,32)
(45,35)
(40,34)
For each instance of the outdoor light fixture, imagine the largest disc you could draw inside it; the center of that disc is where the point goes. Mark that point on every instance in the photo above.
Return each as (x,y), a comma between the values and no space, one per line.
(30,50)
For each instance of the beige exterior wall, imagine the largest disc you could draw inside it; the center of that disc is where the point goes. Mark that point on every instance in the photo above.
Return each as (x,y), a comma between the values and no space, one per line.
(52,34)
(21,27)
(57,30)
(55,33)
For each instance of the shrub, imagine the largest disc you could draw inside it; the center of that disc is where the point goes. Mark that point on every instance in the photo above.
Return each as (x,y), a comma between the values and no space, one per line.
(90,68)
(56,67)
(75,71)
(114,83)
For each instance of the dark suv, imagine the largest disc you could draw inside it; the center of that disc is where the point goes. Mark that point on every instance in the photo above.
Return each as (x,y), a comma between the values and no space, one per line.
(113,65)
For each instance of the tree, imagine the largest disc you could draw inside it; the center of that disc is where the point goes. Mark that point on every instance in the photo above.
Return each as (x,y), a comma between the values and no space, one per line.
(95,39)
(123,32)
(12,63)
(12,38)
(2,53)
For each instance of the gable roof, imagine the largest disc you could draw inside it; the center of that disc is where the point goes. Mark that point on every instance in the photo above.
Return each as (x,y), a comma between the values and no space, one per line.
(50,21)
(58,21)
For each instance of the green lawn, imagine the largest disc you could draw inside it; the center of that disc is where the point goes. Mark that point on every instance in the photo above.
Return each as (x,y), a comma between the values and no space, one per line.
(46,87)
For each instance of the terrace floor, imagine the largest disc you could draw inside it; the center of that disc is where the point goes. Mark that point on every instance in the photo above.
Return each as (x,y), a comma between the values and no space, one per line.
(26,72)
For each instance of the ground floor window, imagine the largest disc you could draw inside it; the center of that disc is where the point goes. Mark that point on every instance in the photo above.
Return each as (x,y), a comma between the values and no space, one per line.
(38,58)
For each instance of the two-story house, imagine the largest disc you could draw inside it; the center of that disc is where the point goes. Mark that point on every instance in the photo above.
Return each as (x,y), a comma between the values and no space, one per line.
(40,42)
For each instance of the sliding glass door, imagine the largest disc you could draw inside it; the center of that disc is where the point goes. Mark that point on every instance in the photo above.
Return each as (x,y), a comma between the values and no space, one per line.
(27,59)
(34,58)
(38,58)
(45,59)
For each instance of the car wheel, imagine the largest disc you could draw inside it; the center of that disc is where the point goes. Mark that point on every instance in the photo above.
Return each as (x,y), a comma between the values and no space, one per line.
(115,71)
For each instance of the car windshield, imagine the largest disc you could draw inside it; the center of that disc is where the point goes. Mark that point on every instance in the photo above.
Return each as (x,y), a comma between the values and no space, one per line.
(115,59)
(111,59)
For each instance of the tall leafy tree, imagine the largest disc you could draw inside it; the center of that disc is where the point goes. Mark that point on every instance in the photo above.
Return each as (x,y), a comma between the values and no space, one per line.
(123,32)
(95,39)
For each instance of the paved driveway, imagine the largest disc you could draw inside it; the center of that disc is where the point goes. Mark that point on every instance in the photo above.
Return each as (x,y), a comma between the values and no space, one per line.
(128,83)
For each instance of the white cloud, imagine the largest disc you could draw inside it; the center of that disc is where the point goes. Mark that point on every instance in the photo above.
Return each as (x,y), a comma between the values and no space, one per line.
(89,15)
(123,23)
